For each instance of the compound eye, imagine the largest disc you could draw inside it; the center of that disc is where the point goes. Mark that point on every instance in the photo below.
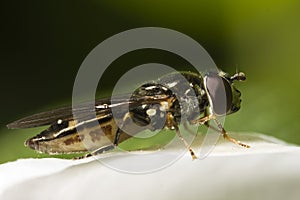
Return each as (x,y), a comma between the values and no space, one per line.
(220,93)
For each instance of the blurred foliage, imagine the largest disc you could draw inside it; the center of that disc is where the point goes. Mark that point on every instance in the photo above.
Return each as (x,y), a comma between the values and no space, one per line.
(44,43)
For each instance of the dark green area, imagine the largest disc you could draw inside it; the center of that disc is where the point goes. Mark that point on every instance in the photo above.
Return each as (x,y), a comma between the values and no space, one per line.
(43,44)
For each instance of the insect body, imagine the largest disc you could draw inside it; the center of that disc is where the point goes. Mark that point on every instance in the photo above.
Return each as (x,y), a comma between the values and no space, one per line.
(174,99)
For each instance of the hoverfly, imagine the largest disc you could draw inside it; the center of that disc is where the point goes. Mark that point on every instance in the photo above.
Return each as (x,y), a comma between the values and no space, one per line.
(166,103)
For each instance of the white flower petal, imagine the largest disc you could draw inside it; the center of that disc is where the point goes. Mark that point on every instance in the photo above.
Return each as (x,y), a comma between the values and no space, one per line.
(268,170)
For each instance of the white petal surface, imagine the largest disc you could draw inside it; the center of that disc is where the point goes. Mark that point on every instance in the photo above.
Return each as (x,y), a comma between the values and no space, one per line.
(268,170)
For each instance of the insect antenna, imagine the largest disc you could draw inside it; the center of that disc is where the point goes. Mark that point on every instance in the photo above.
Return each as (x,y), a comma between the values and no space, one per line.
(239,76)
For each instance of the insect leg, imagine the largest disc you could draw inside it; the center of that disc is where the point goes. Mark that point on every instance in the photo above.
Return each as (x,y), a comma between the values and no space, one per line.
(170,119)
(96,152)
(205,120)
(227,137)
(185,142)
(108,147)
(118,133)
(105,148)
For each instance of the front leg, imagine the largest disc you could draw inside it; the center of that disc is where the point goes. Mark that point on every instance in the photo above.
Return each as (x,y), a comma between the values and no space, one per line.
(226,136)
(205,120)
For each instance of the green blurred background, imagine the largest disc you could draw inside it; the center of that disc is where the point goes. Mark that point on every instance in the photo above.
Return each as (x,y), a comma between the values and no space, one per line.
(43,44)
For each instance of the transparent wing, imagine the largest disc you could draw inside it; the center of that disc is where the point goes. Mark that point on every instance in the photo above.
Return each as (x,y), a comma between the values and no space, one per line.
(102,108)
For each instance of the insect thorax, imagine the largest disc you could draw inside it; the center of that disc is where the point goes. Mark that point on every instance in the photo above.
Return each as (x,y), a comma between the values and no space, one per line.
(180,94)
